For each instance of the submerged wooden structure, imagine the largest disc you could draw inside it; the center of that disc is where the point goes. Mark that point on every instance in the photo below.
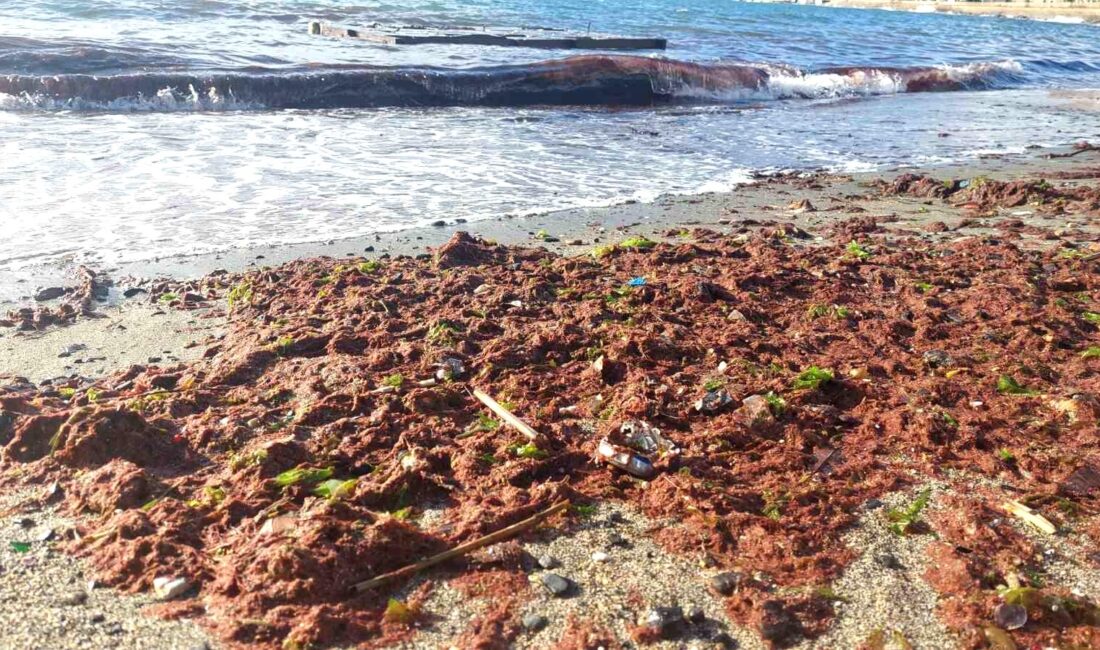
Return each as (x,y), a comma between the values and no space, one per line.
(541,38)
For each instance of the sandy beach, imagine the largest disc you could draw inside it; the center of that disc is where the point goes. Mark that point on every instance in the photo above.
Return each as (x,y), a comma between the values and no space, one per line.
(162,438)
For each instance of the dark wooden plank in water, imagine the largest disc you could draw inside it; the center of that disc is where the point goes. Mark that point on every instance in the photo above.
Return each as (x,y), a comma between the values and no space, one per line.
(498,40)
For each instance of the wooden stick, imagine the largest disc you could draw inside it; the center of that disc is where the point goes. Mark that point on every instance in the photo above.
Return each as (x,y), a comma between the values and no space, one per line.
(462,549)
(1030,516)
(507,416)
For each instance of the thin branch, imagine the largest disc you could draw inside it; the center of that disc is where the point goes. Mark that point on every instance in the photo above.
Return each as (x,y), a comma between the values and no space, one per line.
(462,549)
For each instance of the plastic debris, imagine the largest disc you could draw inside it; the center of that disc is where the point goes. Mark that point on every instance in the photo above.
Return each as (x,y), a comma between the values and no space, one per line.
(712,401)
(450,369)
(633,447)
(636,282)
(20,547)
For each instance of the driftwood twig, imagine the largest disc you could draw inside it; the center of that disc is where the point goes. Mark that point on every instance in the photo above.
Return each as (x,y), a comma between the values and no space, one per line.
(507,416)
(462,549)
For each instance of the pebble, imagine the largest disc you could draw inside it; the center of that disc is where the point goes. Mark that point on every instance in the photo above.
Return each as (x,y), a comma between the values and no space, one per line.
(556,585)
(726,582)
(617,540)
(534,622)
(696,615)
(665,620)
(600,556)
(168,588)
(889,561)
(1009,616)
(97,618)
(73,599)
(439,224)
(49,293)
(547,561)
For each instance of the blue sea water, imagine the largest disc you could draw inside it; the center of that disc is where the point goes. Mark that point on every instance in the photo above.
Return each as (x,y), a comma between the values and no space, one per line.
(135,129)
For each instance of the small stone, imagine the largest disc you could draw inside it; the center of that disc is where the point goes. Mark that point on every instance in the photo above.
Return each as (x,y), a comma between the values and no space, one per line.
(556,585)
(696,615)
(45,535)
(439,224)
(97,618)
(600,556)
(130,292)
(937,359)
(114,629)
(615,540)
(49,293)
(547,561)
(73,599)
(666,620)
(278,525)
(168,588)
(1010,617)
(24,522)
(727,582)
(756,411)
(534,622)
(873,504)
(712,401)
(887,560)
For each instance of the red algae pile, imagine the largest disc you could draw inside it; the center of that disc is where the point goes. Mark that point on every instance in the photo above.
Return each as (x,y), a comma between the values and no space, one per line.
(790,383)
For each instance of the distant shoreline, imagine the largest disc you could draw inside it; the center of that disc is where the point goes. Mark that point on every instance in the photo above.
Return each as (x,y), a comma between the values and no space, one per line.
(1086,11)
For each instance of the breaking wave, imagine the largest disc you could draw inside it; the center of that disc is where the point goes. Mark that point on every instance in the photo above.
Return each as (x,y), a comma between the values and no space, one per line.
(580,81)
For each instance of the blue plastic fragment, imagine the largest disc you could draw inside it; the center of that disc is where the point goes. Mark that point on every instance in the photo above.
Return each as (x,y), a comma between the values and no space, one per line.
(637,282)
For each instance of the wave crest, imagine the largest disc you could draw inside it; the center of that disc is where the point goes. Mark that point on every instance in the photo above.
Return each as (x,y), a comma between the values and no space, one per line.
(593,80)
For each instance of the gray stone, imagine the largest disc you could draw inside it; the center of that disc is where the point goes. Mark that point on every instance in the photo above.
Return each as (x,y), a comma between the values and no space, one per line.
(547,561)
(49,293)
(937,359)
(666,620)
(889,561)
(534,622)
(556,585)
(73,599)
(726,582)
(696,615)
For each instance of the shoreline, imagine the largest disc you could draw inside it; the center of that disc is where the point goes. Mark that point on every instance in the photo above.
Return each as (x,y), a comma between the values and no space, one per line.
(1051,10)
(566,225)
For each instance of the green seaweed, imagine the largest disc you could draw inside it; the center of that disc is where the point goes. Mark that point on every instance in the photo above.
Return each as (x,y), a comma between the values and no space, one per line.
(396,380)
(904,518)
(303,475)
(529,450)
(776,404)
(812,378)
(335,488)
(857,251)
(241,293)
(1007,385)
